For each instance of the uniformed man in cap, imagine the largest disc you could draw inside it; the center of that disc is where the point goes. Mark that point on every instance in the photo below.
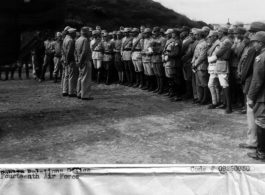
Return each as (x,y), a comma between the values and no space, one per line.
(118,58)
(137,58)
(57,50)
(70,78)
(236,50)
(186,57)
(213,83)
(48,59)
(172,63)
(108,47)
(200,65)
(147,52)
(238,24)
(114,36)
(126,52)
(158,46)
(83,62)
(97,54)
(256,94)
(222,67)
(206,30)
(246,78)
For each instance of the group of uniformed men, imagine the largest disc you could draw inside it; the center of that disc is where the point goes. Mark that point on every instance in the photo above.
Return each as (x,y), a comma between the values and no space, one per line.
(220,67)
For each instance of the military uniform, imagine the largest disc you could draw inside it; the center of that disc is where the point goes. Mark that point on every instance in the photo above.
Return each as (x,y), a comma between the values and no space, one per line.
(96,47)
(48,59)
(108,47)
(57,48)
(83,61)
(70,78)
(137,60)
(199,61)
(126,52)
(173,65)
(187,54)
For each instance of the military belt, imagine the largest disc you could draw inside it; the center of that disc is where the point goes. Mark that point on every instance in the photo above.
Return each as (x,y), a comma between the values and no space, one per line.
(97,50)
(137,50)
(127,49)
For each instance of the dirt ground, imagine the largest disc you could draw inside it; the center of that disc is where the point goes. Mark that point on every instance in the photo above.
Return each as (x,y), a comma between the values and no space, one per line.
(122,125)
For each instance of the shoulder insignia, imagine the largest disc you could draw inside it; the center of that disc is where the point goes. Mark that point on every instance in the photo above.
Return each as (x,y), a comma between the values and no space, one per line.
(258,58)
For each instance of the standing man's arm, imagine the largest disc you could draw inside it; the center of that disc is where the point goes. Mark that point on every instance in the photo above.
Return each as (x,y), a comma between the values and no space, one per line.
(84,52)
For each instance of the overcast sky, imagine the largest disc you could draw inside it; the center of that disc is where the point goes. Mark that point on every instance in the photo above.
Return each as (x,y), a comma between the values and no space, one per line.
(218,11)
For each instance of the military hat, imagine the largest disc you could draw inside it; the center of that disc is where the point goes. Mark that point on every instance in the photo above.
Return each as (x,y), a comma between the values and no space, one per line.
(67,28)
(213,33)
(98,28)
(71,30)
(156,29)
(85,29)
(110,33)
(118,32)
(223,29)
(199,32)
(147,30)
(121,28)
(105,34)
(239,24)
(126,30)
(257,26)
(259,36)
(90,29)
(246,35)
(103,31)
(169,31)
(94,32)
(206,28)
(58,34)
(185,28)
(114,32)
(142,27)
(135,30)
(240,30)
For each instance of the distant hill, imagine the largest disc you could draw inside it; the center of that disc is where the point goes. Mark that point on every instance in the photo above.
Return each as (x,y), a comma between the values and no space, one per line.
(111,14)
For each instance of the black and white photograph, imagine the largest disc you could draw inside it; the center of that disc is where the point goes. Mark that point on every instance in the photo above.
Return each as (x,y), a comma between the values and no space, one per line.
(132,82)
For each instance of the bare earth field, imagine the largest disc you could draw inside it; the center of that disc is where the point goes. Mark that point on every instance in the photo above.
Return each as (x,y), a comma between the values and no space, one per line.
(122,125)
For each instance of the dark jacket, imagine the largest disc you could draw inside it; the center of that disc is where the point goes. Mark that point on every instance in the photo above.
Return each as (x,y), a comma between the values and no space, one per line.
(187,52)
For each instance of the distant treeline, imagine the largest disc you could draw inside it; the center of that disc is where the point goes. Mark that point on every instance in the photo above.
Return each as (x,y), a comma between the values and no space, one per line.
(111,14)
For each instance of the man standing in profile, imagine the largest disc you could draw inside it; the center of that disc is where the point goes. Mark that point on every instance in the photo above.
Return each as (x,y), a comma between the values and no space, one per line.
(83,61)
(70,79)
(57,50)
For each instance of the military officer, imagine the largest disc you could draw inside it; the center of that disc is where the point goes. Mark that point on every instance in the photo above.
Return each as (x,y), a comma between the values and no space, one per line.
(206,30)
(57,50)
(70,78)
(108,47)
(213,83)
(172,63)
(97,54)
(126,52)
(137,57)
(159,71)
(200,65)
(222,67)
(117,58)
(83,61)
(256,94)
(146,58)
(246,78)
(187,54)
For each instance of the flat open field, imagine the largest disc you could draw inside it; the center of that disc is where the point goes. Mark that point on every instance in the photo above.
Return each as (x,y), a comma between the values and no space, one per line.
(122,125)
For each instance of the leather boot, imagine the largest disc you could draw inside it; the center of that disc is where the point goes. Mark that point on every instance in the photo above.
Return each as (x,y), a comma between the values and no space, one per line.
(224,105)
(158,85)
(137,77)
(205,96)
(161,89)
(173,89)
(177,97)
(141,81)
(201,94)
(128,78)
(55,79)
(228,100)
(188,96)
(147,83)
(20,73)
(98,75)
(152,83)
(131,79)
(108,78)
(6,75)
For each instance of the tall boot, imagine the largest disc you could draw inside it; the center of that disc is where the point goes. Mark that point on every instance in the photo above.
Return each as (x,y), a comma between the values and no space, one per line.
(172,88)
(128,78)
(152,83)
(147,83)
(55,78)
(228,100)
(6,74)
(201,94)
(158,84)
(224,105)
(205,96)
(42,77)
(161,82)
(141,76)
(122,78)
(20,73)
(98,75)
(131,79)
(12,74)
(189,91)
(177,97)
(137,75)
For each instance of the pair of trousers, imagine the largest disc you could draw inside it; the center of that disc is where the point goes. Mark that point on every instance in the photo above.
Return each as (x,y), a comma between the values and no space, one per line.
(70,78)
(84,80)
